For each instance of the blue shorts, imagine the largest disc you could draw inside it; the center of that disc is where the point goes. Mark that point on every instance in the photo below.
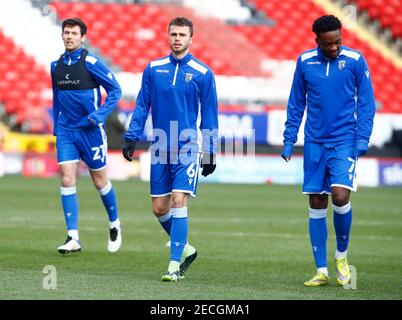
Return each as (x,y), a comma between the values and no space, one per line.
(174,176)
(329,165)
(89,144)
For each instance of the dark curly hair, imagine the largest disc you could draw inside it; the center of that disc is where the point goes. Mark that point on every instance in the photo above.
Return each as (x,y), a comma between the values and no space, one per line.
(326,24)
(75,22)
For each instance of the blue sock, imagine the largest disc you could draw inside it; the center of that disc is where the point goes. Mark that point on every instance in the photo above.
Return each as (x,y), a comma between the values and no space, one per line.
(318,236)
(166,222)
(342,224)
(178,232)
(69,201)
(109,201)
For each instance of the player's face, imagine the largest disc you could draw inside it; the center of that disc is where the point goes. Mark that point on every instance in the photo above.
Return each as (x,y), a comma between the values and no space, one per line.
(330,43)
(72,37)
(179,40)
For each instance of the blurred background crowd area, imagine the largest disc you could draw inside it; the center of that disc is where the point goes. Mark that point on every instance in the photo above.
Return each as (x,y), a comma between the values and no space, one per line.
(251,45)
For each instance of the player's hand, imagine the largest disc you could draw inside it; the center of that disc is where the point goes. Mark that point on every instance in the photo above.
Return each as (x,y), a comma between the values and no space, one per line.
(287,151)
(361,148)
(128,149)
(208,163)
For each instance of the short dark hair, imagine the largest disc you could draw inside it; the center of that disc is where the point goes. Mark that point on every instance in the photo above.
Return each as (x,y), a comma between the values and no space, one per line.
(326,23)
(75,22)
(182,22)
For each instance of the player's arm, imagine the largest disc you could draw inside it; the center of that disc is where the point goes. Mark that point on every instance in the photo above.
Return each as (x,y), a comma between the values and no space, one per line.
(56,103)
(295,110)
(142,106)
(209,123)
(365,107)
(107,80)
(140,115)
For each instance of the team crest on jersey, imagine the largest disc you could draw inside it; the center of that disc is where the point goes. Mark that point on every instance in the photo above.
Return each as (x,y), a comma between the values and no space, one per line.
(341,64)
(188,77)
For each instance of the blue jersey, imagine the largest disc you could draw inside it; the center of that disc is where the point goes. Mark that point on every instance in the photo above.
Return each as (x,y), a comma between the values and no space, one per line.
(181,95)
(338,94)
(72,109)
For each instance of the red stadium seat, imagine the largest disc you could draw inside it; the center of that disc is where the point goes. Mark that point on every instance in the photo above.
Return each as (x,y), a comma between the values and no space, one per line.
(388,13)
(22,80)
(296,29)
(144,27)
(130,35)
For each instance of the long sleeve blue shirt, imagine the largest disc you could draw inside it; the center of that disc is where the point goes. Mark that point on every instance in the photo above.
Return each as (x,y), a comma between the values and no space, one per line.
(181,95)
(338,94)
(72,109)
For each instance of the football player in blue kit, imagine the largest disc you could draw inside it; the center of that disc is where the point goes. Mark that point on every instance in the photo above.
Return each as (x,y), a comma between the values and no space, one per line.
(79,121)
(333,83)
(180,91)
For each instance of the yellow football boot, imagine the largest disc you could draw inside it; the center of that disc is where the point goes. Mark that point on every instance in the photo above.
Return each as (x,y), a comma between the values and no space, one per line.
(320,279)
(342,271)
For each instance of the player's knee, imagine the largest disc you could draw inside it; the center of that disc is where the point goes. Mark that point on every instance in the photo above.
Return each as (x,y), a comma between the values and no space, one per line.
(68,181)
(99,182)
(340,198)
(178,204)
(318,201)
(179,201)
(159,211)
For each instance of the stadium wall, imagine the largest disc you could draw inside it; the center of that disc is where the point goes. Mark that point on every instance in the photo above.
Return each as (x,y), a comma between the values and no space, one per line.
(34,155)
(268,127)
(247,169)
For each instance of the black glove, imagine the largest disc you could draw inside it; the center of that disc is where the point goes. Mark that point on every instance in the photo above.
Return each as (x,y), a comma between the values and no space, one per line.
(128,149)
(208,163)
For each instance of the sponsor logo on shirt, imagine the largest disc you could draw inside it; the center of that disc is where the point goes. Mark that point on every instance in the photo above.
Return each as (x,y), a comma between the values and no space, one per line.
(68,81)
(314,62)
(162,70)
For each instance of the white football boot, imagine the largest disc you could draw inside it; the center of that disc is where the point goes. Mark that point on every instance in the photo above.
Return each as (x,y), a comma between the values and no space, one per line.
(114,241)
(71,245)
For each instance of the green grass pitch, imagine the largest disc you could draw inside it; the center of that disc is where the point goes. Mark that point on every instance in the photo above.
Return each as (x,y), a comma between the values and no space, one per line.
(252,242)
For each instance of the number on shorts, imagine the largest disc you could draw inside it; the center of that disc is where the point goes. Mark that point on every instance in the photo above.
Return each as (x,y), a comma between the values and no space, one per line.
(100,153)
(191,170)
(352,166)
